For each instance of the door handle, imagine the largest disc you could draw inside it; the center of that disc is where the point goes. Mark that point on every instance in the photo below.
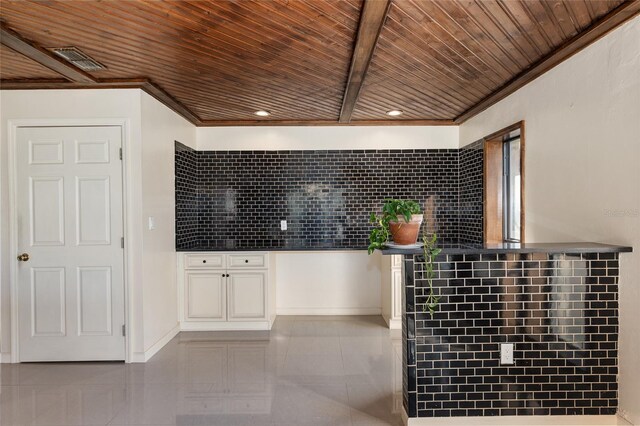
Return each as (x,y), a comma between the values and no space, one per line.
(24,257)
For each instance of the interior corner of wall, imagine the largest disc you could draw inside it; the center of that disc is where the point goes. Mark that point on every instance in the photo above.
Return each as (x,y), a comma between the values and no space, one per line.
(161,343)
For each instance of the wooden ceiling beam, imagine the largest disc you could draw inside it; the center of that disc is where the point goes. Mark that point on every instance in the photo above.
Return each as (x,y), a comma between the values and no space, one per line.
(59,83)
(597,30)
(374,13)
(15,41)
(169,101)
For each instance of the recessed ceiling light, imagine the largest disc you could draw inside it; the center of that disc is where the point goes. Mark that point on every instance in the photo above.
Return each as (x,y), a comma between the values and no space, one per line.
(394,112)
(262,113)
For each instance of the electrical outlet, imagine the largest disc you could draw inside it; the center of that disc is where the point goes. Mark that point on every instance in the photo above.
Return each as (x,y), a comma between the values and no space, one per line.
(283,225)
(152,223)
(506,354)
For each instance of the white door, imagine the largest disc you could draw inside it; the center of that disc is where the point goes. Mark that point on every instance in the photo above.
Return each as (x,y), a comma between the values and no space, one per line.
(206,298)
(71,287)
(247,295)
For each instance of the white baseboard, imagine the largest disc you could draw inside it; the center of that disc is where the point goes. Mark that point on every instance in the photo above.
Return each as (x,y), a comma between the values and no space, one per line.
(329,311)
(137,357)
(393,324)
(146,355)
(512,420)
(5,357)
(224,326)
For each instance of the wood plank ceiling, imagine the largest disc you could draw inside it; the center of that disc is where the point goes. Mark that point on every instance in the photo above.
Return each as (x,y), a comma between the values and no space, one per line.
(16,66)
(305,61)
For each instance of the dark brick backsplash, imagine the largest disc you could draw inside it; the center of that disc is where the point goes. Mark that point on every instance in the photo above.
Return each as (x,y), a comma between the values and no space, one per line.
(325,196)
(187,207)
(471,192)
(559,310)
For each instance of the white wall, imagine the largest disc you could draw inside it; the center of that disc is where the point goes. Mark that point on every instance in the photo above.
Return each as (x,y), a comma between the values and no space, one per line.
(326,137)
(327,283)
(582,166)
(152,129)
(161,127)
(67,105)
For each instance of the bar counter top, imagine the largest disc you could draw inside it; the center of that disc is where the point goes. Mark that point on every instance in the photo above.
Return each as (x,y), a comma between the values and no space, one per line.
(447,248)
(460,248)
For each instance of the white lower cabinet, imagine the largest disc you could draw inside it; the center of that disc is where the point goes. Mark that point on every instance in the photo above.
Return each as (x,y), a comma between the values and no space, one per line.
(396,293)
(247,296)
(205,296)
(226,291)
(392,290)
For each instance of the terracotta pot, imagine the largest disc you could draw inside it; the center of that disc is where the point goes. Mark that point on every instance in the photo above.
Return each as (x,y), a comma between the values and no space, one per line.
(404,233)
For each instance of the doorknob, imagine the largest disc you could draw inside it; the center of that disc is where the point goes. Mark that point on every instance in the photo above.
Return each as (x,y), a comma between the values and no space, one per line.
(23,257)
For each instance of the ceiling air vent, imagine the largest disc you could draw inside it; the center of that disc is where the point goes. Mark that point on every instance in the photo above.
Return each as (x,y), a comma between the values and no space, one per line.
(78,58)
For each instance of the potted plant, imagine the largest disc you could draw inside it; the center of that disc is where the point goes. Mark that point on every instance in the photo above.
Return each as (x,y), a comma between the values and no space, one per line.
(400,220)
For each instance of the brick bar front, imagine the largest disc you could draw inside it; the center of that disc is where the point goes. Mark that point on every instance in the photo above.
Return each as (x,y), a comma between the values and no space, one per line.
(560,310)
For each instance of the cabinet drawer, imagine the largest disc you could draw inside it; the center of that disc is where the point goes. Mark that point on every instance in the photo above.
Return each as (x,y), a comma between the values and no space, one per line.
(247,261)
(192,261)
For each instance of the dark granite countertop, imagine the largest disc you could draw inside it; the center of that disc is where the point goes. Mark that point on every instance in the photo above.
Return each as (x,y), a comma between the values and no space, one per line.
(244,249)
(585,247)
(449,248)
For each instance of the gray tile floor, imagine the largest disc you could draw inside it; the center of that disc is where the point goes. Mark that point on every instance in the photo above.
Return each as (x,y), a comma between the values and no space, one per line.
(306,371)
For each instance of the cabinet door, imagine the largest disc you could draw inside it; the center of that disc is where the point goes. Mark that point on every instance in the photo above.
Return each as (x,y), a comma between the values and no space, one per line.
(396,297)
(205,296)
(247,295)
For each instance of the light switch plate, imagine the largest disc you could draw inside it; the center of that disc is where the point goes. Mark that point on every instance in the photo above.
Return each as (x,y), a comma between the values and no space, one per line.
(152,223)
(283,225)
(506,354)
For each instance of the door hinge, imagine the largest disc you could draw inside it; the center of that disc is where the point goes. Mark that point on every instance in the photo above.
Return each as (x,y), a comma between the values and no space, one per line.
(122,242)
(124,329)
(121,153)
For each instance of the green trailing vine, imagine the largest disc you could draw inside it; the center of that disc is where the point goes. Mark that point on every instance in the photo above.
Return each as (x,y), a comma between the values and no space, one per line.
(430,252)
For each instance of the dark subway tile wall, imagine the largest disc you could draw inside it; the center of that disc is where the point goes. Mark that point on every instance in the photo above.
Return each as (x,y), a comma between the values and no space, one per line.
(471,192)
(325,196)
(186,185)
(559,310)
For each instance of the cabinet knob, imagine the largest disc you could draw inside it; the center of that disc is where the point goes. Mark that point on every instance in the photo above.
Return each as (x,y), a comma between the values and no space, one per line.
(204,261)
(223,275)
(246,261)
(227,275)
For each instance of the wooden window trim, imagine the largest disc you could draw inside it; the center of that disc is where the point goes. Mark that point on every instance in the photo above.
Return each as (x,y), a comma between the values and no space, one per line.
(492,203)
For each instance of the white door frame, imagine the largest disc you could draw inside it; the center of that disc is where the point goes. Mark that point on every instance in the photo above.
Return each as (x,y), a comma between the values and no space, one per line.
(125,127)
